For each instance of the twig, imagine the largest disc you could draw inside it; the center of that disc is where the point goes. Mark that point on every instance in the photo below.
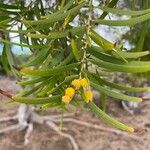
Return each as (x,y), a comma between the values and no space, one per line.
(5,93)
(8,118)
(72,140)
(28,133)
(83,123)
(8,129)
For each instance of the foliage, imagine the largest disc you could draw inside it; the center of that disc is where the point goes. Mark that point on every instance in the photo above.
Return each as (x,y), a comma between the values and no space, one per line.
(63,54)
(142,31)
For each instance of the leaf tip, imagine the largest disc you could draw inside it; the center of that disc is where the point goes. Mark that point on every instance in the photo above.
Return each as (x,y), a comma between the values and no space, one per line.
(140,130)
(131,130)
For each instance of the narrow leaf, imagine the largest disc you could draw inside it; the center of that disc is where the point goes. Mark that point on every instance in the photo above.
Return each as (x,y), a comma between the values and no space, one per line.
(49,72)
(128,22)
(109,120)
(116,95)
(118,86)
(35,100)
(131,67)
(75,50)
(60,34)
(123,12)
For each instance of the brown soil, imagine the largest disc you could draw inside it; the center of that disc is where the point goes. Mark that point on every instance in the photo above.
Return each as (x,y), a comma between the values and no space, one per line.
(44,138)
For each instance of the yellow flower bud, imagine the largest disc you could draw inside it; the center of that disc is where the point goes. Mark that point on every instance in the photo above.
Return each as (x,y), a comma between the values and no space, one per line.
(76,83)
(66,99)
(88,96)
(70,92)
(84,82)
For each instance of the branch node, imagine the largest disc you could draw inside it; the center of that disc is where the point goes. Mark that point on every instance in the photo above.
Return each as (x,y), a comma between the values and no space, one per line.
(5,93)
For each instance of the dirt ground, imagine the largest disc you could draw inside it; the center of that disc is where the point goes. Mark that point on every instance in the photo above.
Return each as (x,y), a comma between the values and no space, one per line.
(44,138)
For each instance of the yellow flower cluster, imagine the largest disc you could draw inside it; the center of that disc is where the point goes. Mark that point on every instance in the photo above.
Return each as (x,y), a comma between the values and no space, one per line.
(88,96)
(84,82)
(77,83)
(66,99)
(69,93)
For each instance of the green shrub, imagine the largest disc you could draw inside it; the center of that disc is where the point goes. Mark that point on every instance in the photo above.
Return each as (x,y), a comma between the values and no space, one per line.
(69,60)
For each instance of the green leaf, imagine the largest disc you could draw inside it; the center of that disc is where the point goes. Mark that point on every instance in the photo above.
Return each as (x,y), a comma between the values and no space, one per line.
(22,45)
(5,22)
(111,5)
(48,87)
(108,47)
(10,59)
(32,90)
(50,105)
(55,17)
(128,22)
(103,102)
(123,12)
(32,81)
(4,17)
(131,67)
(4,60)
(113,94)
(9,55)
(140,43)
(65,8)
(75,50)
(134,54)
(19,31)
(38,59)
(67,79)
(99,40)
(9,12)
(117,86)
(49,72)
(98,52)
(35,100)
(6,6)
(60,34)
(109,120)
(67,60)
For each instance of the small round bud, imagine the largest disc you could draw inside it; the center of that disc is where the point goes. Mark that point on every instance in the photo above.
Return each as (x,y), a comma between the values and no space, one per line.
(66,99)
(70,92)
(88,96)
(84,82)
(76,83)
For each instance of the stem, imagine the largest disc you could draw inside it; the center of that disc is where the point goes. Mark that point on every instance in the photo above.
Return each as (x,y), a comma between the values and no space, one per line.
(103,102)
(5,94)
(89,21)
